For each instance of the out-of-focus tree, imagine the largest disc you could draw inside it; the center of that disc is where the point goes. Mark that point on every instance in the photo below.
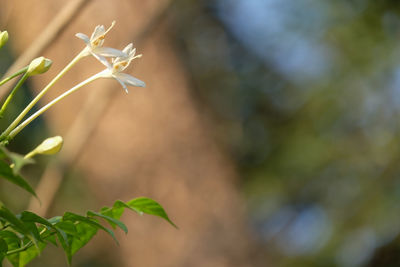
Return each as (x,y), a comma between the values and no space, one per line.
(305,95)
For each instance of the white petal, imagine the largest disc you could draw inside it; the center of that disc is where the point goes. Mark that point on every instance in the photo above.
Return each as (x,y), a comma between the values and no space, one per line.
(130,80)
(108,52)
(102,59)
(99,30)
(83,36)
(128,49)
(121,82)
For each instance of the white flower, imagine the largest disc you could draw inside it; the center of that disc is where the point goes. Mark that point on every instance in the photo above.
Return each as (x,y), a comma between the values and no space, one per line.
(119,64)
(95,43)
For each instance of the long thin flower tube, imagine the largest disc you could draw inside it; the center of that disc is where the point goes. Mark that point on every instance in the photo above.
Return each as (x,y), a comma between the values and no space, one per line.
(113,70)
(21,126)
(40,95)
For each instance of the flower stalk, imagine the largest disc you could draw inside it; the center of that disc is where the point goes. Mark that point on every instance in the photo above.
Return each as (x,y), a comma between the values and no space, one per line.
(40,95)
(23,70)
(13,92)
(21,126)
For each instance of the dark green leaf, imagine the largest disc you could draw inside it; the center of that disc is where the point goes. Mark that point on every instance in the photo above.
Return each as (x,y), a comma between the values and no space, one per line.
(8,216)
(18,161)
(111,220)
(67,227)
(3,246)
(64,241)
(28,216)
(7,173)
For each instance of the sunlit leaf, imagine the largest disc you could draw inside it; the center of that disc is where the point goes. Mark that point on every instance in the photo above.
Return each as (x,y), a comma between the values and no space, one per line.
(149,206)
(86,233)
(29,254)
(75,217)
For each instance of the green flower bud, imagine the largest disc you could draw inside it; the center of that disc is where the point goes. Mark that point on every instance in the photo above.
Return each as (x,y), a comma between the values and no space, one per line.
(38,66)
(49,146)
(3,38)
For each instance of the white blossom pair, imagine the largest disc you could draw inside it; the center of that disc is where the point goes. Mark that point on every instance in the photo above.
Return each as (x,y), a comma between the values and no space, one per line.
(120,59)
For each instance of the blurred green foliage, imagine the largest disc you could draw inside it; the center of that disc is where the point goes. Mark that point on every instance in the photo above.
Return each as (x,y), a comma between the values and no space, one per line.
(306,98)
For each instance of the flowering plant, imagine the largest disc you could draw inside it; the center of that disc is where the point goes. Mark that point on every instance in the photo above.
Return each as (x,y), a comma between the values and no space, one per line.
(23,236)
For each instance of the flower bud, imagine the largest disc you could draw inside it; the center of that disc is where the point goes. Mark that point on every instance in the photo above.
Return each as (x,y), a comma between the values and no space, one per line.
(49,146)
(38,66)
(3,38)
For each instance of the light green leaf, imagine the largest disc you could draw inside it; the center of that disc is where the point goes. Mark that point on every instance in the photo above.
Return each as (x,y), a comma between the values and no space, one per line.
(86,233)
(28,255)
(149,206)
(69,216)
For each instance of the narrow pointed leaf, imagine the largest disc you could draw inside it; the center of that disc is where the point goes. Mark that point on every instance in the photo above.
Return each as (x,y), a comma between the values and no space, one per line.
(7,173)
(75,217)
(111,220)
(149,206)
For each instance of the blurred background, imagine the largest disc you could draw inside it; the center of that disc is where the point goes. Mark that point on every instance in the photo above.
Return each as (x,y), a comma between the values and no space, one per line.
(268,130)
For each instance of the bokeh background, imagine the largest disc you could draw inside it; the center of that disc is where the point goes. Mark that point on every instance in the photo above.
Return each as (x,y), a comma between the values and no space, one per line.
(268,130)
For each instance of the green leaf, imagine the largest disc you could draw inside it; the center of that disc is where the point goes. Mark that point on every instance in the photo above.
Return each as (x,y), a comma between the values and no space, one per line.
(28,255)
(51,239)
(86,233)
(18,160)
(33,235)
(116,211)
(149,206)
(111,220)
(3,250)
(69,216)
(9,217)
(28,216)
(64,241)
(7,173)
(67,227)
(3,246)
(10,237)
(3,154)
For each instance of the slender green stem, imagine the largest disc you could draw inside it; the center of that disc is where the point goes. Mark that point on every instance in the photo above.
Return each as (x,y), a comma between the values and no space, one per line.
(27,245)
(36,99)
(13,92)
(23,248)
(21,126)
(14,75)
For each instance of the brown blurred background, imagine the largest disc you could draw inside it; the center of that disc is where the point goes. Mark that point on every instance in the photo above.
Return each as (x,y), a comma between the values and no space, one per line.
(268,129)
